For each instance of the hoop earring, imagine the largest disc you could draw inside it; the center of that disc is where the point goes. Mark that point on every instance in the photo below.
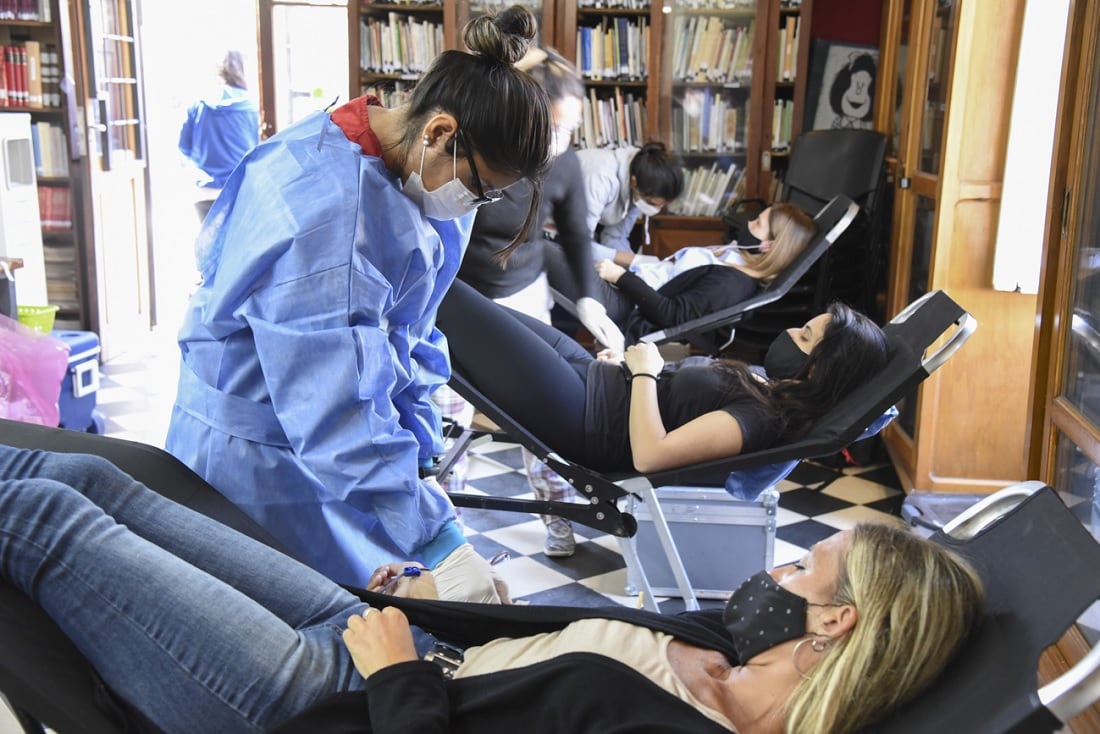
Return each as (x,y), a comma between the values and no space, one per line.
(817,644)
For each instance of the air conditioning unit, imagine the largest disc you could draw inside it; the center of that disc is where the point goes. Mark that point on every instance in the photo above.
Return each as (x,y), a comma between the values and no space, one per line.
(20,224)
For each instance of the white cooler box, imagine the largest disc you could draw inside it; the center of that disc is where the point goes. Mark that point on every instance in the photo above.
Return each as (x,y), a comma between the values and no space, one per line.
(721,540)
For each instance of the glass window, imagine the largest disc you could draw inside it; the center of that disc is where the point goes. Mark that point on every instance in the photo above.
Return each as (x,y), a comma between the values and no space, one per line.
(924,233)
(899,80)
(939,79)
(310,48)
(1082,364)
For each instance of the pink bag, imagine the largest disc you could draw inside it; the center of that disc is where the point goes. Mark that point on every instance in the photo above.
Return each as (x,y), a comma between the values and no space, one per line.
(32,366)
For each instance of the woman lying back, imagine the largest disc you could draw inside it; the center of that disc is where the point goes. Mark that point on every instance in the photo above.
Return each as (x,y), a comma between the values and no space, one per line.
(643,414)
(204,630)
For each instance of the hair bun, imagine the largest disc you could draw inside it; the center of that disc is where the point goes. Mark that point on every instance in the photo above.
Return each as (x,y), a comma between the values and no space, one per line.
(654,147)
(504,36)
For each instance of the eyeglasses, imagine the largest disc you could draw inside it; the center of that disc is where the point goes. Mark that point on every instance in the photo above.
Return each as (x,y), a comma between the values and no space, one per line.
(483,196)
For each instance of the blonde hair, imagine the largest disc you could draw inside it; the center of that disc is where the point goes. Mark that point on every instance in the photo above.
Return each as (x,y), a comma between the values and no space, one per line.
(791,230)
(916,603)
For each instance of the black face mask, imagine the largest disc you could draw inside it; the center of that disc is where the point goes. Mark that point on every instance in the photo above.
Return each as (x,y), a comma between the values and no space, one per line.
(784,360)
(746,240)
(761,614)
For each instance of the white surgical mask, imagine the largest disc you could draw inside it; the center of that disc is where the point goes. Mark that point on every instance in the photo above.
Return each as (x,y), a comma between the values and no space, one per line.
(560,140)
(646,208)
(450,201)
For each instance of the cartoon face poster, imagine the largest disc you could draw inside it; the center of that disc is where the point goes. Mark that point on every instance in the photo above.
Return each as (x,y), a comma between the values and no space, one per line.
(846,95)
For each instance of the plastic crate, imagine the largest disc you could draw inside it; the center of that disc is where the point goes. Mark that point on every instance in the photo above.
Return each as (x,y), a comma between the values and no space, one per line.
(80,385)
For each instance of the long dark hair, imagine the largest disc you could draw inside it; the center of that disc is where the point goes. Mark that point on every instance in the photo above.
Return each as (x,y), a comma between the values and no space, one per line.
(502,112)
(657,171)
(851,351)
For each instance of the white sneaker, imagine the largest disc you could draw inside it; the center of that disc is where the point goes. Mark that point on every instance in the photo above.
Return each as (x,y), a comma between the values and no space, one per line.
(560,542)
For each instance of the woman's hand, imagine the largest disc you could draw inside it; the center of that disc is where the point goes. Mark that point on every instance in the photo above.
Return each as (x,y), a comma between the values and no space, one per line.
(644,358)
(609,355)
(392,579)
(378,639)
(609,271)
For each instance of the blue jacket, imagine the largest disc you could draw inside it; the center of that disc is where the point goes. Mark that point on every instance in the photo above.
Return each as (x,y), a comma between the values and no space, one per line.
(310,350)
(217,134)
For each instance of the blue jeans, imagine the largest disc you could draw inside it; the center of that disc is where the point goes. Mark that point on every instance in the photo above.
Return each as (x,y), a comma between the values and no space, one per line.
(199,627)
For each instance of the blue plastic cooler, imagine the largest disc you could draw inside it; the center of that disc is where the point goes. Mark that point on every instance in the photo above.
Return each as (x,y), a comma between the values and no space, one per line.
(79,386)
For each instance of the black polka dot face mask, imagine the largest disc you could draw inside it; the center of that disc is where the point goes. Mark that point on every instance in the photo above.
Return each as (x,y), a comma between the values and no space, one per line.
(761,614)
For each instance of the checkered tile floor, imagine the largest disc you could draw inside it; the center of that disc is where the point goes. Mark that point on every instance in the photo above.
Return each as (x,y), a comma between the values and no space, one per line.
(135,399)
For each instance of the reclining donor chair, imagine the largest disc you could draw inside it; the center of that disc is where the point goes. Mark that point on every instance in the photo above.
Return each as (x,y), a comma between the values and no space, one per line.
(747,476)
(1037,562)
(713,332)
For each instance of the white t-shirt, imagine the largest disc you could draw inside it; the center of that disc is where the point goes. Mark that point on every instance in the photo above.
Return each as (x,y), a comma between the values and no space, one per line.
(656,274)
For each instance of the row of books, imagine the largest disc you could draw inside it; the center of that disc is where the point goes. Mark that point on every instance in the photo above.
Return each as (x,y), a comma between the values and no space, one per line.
(787,62)
(38,10)
(705,121)
(55,208)
(782,122)
(30,75)
(62,277)
(707,50)
(718,4)
(392,94)
(627,4)
(51,158)
(616,48)
(399,44)
(707,191)
(615,121)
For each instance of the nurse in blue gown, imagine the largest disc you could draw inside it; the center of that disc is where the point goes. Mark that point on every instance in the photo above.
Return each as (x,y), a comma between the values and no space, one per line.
(309,352)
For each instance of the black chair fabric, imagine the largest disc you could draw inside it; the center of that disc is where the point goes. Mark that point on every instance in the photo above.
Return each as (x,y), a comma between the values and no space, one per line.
(1039,566)
(822,164)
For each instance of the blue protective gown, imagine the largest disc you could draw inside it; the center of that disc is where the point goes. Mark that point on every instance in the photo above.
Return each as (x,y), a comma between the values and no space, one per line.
(310,350)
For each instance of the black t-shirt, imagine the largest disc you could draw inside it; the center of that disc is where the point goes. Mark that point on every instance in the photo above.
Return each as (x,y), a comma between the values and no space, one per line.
(687,389)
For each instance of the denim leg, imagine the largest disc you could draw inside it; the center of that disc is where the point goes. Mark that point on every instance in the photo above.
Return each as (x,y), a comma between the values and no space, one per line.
(292,591)
(188,649)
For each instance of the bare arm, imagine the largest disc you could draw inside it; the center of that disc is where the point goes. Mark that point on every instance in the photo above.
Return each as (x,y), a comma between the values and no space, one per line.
(713,435)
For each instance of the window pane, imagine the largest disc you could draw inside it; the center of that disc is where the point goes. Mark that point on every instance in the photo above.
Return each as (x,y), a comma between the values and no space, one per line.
(310,46)
(924,223)
(899,79)
(1082,375)
(939,79)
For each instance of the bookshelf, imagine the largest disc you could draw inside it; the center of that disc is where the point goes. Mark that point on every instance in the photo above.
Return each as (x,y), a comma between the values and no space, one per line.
(33,63)
(391,43)
(698,74)
(611,45)
(786,75)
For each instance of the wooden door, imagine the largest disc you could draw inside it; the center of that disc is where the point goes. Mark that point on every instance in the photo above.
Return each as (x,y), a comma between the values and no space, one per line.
(964,429)
(1066,450)
(303,58)
(108,59)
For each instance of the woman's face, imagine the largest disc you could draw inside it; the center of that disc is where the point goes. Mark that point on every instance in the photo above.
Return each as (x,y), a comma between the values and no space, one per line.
(816,575)
(761,227)
(441,166)
(807,336)
(566,115)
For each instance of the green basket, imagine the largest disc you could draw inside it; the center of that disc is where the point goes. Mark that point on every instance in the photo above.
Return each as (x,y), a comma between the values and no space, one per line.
(39,318)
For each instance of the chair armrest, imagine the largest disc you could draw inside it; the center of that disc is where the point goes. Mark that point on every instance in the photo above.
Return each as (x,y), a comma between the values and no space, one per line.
(1075,690)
